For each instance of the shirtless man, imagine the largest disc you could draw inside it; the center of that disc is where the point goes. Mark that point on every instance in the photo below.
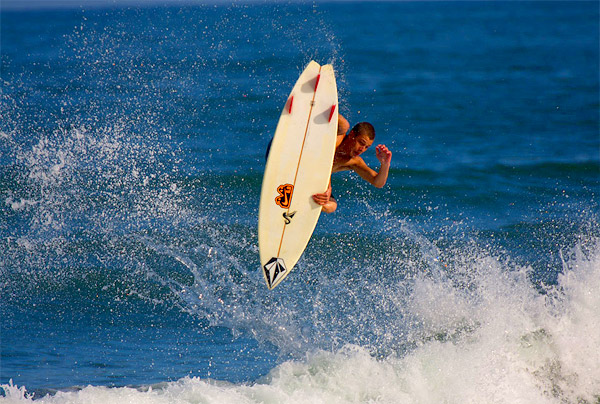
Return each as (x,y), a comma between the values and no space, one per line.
(348,149)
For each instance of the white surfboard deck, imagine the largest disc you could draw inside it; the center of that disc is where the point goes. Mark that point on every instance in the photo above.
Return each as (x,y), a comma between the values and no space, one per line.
(299,166)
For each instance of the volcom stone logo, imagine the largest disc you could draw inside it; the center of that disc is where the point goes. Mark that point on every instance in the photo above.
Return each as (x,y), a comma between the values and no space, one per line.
(275,269)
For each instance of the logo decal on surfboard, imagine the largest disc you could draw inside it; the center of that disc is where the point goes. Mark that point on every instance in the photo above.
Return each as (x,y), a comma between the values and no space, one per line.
(274,270)
(288,217)
(285,195)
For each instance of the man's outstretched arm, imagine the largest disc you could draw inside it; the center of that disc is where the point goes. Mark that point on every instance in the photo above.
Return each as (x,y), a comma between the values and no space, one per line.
(377,179)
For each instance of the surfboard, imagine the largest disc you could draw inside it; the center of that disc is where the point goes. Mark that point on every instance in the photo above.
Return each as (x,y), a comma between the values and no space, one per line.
(299,166)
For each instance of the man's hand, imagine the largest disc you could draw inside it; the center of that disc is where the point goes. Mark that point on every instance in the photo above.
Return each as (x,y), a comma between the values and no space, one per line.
(383,154)
(322,198)
(327,203)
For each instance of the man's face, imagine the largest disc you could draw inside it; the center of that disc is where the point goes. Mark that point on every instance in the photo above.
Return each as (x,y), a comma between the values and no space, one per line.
(360,143)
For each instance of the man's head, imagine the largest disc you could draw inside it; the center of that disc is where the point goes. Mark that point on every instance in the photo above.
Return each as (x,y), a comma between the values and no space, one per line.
(364,128)
(362,136)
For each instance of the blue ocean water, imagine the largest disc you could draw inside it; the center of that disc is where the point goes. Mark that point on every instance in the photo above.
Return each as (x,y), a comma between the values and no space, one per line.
(132,145)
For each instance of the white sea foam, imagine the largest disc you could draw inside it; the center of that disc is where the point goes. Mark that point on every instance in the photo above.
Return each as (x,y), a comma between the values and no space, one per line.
(73,170)
(494,340)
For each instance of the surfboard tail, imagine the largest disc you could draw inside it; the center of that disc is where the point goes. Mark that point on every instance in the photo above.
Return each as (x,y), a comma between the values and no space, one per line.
(275,270)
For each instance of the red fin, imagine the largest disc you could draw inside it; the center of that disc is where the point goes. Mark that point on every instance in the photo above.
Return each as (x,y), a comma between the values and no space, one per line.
(290,106)
(331,113)
(317,83)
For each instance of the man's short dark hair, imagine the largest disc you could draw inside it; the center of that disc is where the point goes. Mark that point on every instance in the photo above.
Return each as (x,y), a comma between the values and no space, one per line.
(364,128)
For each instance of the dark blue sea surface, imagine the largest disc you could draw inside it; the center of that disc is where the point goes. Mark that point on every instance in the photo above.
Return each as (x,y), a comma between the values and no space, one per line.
(132,144)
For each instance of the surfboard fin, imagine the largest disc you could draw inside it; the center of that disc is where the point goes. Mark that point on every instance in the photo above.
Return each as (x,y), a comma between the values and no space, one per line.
(331,112)
(290,106)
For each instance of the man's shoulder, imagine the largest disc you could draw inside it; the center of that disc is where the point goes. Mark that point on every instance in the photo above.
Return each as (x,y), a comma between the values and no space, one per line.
(352,163)
(344,164)
(356,161)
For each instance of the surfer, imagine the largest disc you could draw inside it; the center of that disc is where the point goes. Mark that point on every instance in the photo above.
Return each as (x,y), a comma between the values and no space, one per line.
(348,149)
